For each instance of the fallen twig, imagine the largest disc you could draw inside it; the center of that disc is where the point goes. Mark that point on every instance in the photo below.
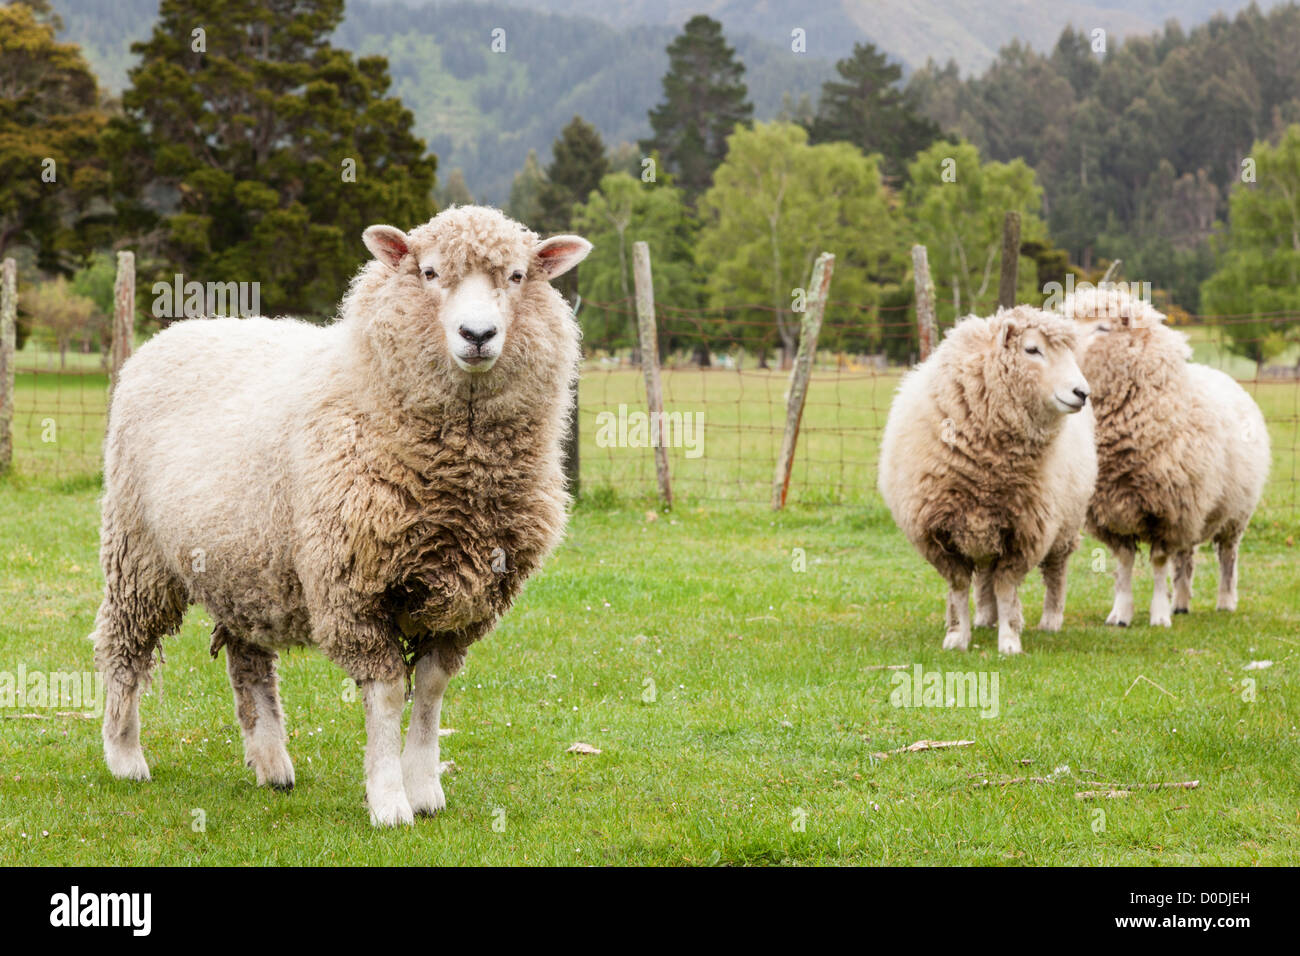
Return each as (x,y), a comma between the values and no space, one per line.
(923,745)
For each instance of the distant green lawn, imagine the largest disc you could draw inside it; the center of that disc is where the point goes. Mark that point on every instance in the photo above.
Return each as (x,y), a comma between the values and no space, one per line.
(754,747)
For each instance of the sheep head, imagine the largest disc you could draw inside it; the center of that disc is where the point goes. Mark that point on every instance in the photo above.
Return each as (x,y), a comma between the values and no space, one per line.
(1033,355)
(468,295)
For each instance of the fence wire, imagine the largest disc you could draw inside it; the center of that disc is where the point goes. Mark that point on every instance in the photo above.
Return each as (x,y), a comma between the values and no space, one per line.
(728,450)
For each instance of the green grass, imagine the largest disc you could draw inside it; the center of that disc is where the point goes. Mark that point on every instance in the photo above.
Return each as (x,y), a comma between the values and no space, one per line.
(766,711)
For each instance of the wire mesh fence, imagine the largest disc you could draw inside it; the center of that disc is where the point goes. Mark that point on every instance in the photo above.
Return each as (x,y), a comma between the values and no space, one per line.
(724,402)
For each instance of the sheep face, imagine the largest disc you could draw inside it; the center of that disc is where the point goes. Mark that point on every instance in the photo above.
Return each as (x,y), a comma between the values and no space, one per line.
(1037,360)
(1120,350)
(474,275)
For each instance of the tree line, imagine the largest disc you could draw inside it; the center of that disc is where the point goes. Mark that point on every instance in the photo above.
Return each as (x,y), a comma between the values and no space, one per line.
(252,148)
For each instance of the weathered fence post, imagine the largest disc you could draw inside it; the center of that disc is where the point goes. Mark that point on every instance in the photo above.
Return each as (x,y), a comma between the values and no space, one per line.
(814,307)
(1010,260)
(645,322)
(1110,271)
(925,327)
(8,337)
(123,315)
(569,449)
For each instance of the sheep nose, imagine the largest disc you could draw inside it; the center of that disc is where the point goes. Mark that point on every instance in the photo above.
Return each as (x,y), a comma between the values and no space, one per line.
(1083,393)
(477,337)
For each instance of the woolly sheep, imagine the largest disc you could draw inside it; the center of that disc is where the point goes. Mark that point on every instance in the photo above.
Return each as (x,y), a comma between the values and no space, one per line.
(987,463)
(1183,451)
(379,488)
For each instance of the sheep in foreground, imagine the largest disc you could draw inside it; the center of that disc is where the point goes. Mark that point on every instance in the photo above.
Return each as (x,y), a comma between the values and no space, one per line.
(1183,451)
(379,488)
(987,463)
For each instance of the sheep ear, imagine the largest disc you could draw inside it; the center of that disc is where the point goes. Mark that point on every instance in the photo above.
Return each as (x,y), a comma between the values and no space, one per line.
(557,255)
(387,244)
(1004,333)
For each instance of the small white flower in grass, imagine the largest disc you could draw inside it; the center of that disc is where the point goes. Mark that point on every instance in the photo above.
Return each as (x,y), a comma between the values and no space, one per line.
(1258,665)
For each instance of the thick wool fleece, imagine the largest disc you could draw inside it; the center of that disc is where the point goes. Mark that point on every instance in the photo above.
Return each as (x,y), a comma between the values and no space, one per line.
(1183,450)
(975,473)
(348,486)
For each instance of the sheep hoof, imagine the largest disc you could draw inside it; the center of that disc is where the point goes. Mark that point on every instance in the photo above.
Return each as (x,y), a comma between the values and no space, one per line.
(1181,610)
(1227,604)
(126,764)
(1161,620)
(391,811)
(956,641)
(426,797)
(1050,622)
(1009,644)
(272,766)
(1115,620)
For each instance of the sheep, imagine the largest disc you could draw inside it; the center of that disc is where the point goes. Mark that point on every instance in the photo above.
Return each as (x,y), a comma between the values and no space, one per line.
(379,488)
(987,464)
(1183,451)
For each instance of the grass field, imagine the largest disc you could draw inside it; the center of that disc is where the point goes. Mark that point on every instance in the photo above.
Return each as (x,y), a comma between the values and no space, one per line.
(738,703)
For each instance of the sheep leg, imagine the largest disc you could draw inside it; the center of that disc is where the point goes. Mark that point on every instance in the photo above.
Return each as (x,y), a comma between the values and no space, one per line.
(957,637)
(1010,619)
(1160,594)
(141,604)
(385,791)
(420,767)
(986,602)
(1226,548)
(1184,569)
(1121,613)
(257,705)
(1054,568)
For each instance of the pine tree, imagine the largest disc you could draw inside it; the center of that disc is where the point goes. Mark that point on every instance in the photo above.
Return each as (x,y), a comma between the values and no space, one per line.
(867,108)
(704,99)
(577,166)
(526,191)
(252,150)
(50,173)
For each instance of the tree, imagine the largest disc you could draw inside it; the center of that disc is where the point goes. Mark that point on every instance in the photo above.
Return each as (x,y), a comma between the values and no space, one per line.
(578,163)
(525,203)
(454,192)
(622,211)
(775,204)
(62,315)
(956,207)
(50,174)
(867,108)
(704,99)
(1256,289)
(250,149)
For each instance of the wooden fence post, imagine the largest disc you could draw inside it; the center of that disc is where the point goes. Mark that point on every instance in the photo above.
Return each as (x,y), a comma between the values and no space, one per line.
(645,321)
(8,337)
(569,448)
(814,308)
(123,315)
(1010,260)
(925,326)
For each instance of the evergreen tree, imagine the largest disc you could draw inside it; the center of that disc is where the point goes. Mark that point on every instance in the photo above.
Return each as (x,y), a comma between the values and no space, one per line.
(526,192)
(50,173)
(868,108)
(252,150)
(578,164)
(704,99)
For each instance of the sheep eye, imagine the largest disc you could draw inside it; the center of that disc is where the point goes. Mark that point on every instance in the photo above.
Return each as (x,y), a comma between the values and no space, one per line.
(1033,350)
(516,277)
(1103,328)
(430,273)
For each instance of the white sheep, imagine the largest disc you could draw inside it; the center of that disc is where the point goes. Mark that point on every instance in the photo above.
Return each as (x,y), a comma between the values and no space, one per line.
(1183,451)
(379,488)
(987,464)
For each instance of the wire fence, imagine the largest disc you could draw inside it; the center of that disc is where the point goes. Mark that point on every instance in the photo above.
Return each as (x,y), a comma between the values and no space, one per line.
(732,406)
(724,398)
